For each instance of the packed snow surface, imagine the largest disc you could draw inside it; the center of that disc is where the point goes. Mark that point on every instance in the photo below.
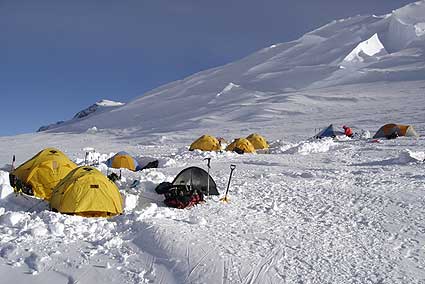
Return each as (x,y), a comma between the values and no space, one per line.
(310,211)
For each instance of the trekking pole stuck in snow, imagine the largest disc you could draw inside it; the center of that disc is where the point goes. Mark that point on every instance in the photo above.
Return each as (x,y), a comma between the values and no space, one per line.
(208,172)
(225,198)
(12,178)
(13,164)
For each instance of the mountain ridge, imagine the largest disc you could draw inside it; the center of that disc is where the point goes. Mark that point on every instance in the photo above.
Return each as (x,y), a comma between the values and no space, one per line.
(261,80)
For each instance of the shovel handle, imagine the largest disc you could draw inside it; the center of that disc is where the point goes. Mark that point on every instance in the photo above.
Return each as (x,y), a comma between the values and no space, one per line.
(232,167)
(209,162)
(12,167)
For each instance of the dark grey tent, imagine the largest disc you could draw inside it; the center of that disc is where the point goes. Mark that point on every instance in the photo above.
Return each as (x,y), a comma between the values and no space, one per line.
(191,179)
(196,178)
(328,132)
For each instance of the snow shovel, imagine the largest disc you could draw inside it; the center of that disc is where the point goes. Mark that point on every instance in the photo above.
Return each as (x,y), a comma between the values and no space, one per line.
(225,199)
(208,178)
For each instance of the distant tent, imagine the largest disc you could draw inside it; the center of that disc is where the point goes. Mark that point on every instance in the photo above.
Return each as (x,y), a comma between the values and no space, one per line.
(205,143)
(40,174)
(392,130)
(258,141)
(328,132)
(241,146)
(123,160)
(85,191)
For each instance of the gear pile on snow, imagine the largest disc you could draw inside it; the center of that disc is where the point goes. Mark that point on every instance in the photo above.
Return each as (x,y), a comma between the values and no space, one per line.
(188,188)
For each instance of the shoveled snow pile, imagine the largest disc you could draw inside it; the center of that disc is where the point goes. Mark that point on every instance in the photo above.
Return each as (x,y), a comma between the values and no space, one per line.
(5,188)
(409,156)
(310,147)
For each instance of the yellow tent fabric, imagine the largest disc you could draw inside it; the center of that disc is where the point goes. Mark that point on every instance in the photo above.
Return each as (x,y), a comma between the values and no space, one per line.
(241,145)
(123,161)
(258,141)
(392,130)
(87,192)
(205,143)
(44,171)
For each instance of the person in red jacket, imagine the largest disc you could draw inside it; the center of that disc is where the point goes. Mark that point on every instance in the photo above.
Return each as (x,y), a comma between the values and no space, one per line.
(347,131)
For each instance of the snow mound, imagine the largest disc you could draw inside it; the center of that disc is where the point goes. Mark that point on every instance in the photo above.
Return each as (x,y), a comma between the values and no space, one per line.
(310,147)
(5,188)
(408,156)
(4,177)
(130,201)
(12,219)
(5,191)
(92,130)
(279,146)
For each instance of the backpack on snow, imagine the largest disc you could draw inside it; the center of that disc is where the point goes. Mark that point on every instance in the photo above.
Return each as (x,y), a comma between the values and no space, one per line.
(179,196)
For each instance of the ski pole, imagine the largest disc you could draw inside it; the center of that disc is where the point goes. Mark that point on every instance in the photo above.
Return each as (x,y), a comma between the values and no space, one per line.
(13,164)
(12,177)
(208,178)
(232,168)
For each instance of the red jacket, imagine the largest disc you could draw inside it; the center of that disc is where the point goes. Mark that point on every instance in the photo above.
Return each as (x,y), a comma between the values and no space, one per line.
(348,132)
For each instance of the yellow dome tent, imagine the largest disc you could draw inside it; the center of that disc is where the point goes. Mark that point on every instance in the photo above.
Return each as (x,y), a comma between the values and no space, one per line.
(241,146)
(258,141)
(87,192)
(392,130)
(123,160)
(44,171)
(205,143)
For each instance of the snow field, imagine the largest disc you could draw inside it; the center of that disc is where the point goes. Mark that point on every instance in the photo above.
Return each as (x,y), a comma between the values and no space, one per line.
(352,212)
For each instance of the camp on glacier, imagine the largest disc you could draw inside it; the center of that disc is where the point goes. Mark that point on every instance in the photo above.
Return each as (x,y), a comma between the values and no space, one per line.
(330,210)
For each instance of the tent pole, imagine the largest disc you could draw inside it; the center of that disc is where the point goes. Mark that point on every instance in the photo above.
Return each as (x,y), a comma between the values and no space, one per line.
(208,178)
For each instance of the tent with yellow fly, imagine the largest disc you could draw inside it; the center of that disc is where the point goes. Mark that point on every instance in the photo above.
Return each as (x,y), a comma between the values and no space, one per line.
(85,191)
(40,174)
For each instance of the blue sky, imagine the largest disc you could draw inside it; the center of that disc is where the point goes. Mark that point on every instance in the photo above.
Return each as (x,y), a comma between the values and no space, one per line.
(59,56)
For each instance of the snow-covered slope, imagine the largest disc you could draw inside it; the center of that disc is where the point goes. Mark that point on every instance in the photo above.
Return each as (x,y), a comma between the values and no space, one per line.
(270,83)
